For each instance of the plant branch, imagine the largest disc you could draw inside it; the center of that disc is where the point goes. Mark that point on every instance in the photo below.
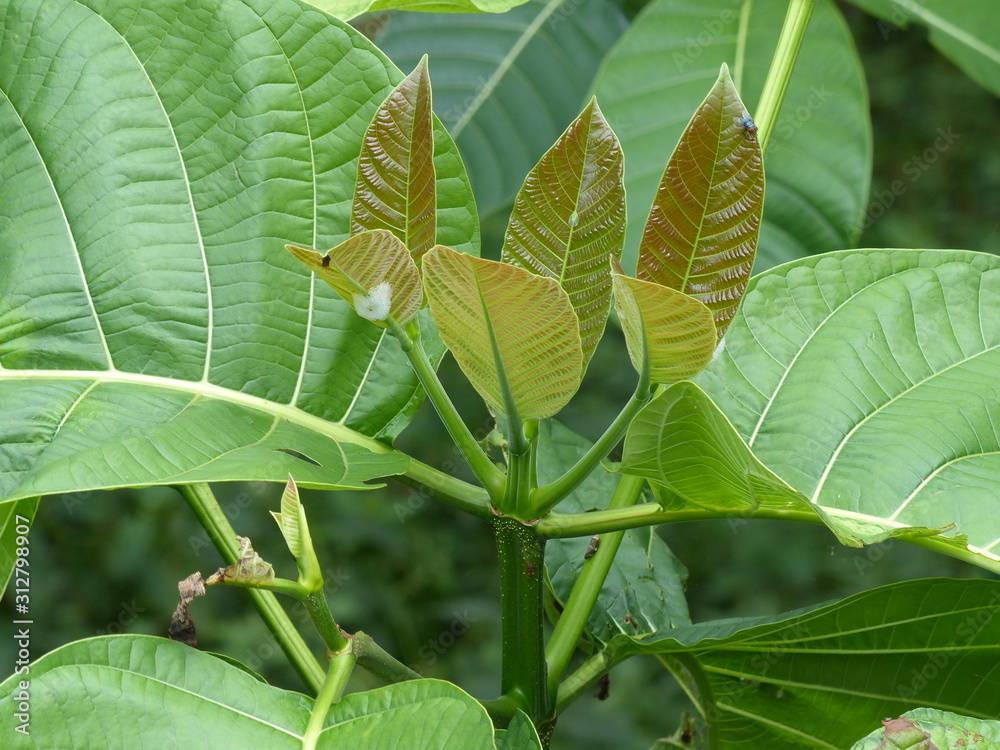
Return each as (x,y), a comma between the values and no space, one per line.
(210,515)
(560,525)
(491,477)
(448,489)
(341,665)
(380,662)
(785,54)
(587,674)
(545,498)
(587,588)
(330,632)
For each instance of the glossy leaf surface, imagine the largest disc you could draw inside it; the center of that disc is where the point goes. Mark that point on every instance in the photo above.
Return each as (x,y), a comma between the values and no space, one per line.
(870,382)
(488,90)
(508,329)
(820,677)
(153,329)
(701,234)
(359,264)
(395,189)
(819,159)
(569,220)
(644,589)
(676,332)
(138,691)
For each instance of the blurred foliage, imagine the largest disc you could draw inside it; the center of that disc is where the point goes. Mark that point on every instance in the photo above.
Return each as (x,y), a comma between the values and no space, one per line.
(422,577)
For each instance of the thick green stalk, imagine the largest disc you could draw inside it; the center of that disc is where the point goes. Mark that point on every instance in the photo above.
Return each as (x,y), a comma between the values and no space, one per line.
(210,515)
(491,477)
(341,665)
(792,33)
(522,557)
(588,586)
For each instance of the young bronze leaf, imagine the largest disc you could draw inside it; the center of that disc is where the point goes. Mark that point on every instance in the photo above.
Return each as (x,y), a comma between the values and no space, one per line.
(666,330)
(701,234)
(373,272)
(395,186)
(569,219)
(508,329)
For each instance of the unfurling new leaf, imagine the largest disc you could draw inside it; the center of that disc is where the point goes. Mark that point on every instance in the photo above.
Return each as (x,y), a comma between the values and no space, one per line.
(569,219)
(701,235)
(395,188)
(294,528)
(371,271)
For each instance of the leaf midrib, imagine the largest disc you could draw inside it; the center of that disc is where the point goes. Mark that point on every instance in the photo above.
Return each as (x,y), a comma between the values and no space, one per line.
(335,430)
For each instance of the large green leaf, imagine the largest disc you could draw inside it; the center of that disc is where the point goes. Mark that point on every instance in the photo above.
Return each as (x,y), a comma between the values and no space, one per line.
(569,220)
(126,692)
(968,34)
(701,235)
(348,9)
(514,334)
(869,381)
(821,677)
(942,729)
(644,590)
(506,86)
(819,160)
(153,328)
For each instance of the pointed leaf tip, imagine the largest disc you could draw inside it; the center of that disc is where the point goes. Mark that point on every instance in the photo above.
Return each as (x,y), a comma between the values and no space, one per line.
(569,219)
(701,234)
(395,188)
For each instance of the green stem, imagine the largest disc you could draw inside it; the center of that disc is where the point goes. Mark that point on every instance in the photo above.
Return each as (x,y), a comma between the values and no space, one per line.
(544,498)
(491,477)
(211,517)
(588,586)
(448,489)
(319,610)
(341,665)
(789,43)
(741,43)
(380,662)
(560,525)
(588,673)
(522,557)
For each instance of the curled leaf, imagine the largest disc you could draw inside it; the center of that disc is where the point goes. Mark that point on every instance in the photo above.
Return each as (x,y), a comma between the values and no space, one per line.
(250,570)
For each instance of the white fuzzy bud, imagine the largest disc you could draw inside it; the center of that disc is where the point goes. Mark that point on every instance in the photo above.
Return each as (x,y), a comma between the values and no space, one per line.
(377,304)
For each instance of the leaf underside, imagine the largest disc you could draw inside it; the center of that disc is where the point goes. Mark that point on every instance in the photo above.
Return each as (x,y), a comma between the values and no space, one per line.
(152,328)
(477,303)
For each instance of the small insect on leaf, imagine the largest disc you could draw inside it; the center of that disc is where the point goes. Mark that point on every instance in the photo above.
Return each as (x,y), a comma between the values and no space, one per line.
(605,687)
(595,542)
(749,126)
(325,263)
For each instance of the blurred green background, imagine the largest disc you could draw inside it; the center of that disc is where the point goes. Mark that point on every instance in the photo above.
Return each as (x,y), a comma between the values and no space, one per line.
(422,578)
